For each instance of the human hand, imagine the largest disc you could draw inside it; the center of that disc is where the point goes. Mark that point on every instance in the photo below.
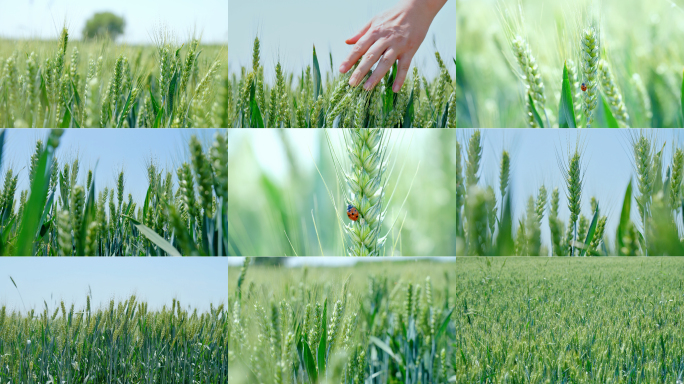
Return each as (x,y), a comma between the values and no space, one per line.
(395,34)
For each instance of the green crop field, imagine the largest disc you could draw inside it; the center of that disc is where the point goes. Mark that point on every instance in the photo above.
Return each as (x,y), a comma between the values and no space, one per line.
(124,343)
(569,320)
(580,63)
(93,84)
(485,223)
(58,217)
(390,321)
(309,100)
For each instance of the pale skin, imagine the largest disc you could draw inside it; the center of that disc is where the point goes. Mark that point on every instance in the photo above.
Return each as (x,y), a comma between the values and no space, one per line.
(394,35)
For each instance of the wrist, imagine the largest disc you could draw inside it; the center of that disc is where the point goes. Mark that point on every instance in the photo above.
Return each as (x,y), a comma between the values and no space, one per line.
(428,7)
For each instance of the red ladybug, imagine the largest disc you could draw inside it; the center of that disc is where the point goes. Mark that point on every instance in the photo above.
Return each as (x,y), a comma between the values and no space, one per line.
(352,212)
(584,87)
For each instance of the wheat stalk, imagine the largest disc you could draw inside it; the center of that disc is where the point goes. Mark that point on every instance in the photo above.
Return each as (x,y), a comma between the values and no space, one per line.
(589,46)
(644,163)
(555,224)
(473,161)
(573,176)
(614,97)
(367,153)
(106,223)
(531,75)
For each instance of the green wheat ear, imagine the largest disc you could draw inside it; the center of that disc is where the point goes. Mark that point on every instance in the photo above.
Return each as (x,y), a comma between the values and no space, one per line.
(613,95)
(589,46)
(573,175)
(367,150)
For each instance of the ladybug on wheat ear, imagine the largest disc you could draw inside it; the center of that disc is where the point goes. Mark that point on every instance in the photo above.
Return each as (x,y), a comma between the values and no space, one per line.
(352,212)
(584,87)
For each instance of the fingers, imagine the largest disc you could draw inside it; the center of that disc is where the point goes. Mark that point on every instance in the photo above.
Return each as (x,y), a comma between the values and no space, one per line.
(367,62)
(357,51)
(358,35)
(402,71)
(384,65)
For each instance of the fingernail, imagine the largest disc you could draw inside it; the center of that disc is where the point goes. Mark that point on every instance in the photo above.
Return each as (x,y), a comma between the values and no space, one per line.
(352,81)
(342,67)
(368,85)
(395,88)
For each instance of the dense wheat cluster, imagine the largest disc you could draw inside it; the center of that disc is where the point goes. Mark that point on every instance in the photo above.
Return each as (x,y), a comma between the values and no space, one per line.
(579,320)
(125,342)
(485,218)
(100,84)
(306,101)
(58,215)
(296,328)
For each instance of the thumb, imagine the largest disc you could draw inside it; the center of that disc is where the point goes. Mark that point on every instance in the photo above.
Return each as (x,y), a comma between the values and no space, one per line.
(359,34)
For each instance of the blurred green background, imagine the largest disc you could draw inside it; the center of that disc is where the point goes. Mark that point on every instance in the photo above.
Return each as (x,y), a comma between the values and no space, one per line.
(275,191)
(638,37)
(278,278)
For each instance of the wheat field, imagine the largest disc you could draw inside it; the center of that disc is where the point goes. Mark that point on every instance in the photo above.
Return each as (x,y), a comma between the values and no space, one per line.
(647,211)
(182,215)
(307,100)
(569,320)
(124,342)
(99,84)
(387,322)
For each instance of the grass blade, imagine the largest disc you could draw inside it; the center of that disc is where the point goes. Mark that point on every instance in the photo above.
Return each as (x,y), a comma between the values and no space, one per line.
(318,89)
(566,110)
(119,123)
(4,235)
(504,240)
(408,115)
(610,121)
(34,206)
(66,120)
(171,95)
(623,225)
(444,325)
(590,233)
(44,92)
(256,120)
(537,118)
(445,116)
(154,237)
(324,336)
(382,345)
(155,105)
(75,90)
(88,214)
(309,363)
(146,205)
(48,206)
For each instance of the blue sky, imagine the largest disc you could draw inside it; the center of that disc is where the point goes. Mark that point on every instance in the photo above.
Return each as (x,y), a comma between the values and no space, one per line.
(130,149)
(289,29)
(44,18)
(194,281)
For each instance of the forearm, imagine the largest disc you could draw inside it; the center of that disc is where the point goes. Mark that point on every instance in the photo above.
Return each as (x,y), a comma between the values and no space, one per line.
(429,7)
